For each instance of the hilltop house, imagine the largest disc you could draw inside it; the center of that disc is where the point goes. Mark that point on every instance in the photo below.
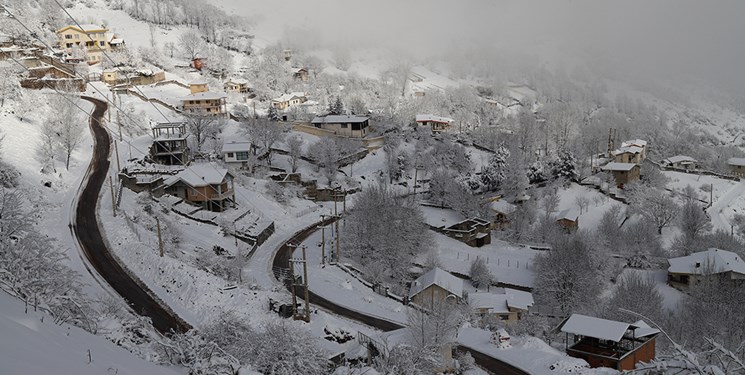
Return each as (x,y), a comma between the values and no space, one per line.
(692,269)
(287,100)
(608,343)
(131,76)
(435,286)
(680,162)
(300,74)
(205,185)
(170,143)
(737,166)
(502,303)
(203,102)
(437,123)
(237,86)
(345,125)
(623,173)
(237,152)
(95,40)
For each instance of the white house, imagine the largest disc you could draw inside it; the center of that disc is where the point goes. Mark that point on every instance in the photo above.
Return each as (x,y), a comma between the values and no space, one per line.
(288,100)
(236,152)
(437,123)
(691,269)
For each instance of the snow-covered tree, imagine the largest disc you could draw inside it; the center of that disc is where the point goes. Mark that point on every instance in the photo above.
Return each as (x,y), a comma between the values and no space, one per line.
(10,85)
(564,167)
(191,44)
(294,150)
(385,229)
(692,222)
(480,274)
(635,292)
(336,107)
(326,156)
(67,123)
(567,276)
(272,114)
(655,204)
(493,174)
(202,127)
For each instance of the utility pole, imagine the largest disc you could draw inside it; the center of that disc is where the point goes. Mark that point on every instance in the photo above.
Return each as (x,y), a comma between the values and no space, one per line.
(116,149)
(416,169)
(338,253)
(235,234)
(113,200)
(160,239)
(335,198)
(305,282)
(344,204)
(119,125)
(108,112)
(323,239)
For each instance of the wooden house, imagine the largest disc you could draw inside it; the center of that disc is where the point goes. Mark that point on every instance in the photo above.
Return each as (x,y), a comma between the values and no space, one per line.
(623,173)
(300,74)
(690,270)
(628,154)
(170,143)
(436,123)
(502,211)
(436,286)
(501,303)
(568,219)
(680,162)
(608,343)
(737,166)
(345,125)
(205,185)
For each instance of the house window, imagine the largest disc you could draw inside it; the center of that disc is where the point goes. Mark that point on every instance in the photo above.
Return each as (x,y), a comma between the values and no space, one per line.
(344,126)
(241,155)
(230,154)
(194,192)
(101,44)
(68,36)
(69,45)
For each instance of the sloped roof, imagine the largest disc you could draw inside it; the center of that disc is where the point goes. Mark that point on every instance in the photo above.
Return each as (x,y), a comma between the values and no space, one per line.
(634,142)
(518,299)
(711,260)
(644,329)
(433,118)
(197,175)
(238,81)
(339,119)
(237,145)
(503,206)
(679,159)
(84,27)
(288,97)
(613,166)
(205,95)
(628,149)
(501,300)
(598,328)
(570,214)
(736,161)
(439,277)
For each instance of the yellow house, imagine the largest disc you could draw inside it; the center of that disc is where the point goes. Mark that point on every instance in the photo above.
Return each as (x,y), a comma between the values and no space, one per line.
(93,39)
(203,102)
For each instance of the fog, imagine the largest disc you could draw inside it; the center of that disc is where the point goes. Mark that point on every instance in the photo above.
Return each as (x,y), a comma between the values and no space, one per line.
(683,40)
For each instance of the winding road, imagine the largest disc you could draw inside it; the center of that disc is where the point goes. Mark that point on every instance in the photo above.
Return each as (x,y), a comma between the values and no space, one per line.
(716,211)
(86,231)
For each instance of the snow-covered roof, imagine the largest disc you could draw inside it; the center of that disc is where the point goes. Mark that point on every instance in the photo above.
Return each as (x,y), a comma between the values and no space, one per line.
(570,214)
(439,277)
(433,118)
(288,97)
(503,206)
(740,162)
(237,145)
(494,303)
(501,300)
(339,119)
(205,95)
(613,166)
(238,81)
(84,27)
(629,150)
(712,260)
(644,329)
(198,81)
(679,159)
(197,175)
(598,328)
(634,142)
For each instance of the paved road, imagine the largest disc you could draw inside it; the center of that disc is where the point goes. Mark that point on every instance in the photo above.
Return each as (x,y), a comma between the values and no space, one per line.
(281,261)
(716,211)
(85,228)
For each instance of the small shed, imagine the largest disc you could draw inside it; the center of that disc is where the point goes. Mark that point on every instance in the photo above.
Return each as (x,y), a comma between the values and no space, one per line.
(568,219)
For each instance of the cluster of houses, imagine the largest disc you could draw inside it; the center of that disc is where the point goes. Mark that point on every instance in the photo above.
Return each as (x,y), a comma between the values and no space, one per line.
(626,161)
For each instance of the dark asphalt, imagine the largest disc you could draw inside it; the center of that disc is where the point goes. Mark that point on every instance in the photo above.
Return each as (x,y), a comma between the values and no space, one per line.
(85,229)
(282,259)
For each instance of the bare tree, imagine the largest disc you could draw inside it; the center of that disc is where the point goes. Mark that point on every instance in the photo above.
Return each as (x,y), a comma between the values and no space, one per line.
(294,150)
(66,123)
(583,202)
(654,204)
(203,127)
(326,156)
(191,44)
(264,134)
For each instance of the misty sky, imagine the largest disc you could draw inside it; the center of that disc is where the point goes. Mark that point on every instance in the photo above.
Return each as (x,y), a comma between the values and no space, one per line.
(683,38)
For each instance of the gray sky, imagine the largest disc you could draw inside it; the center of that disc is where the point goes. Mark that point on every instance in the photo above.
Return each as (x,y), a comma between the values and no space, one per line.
(665,38)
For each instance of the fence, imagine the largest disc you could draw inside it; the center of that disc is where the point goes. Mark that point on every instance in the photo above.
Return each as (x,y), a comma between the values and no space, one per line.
(307,211)
(509,263)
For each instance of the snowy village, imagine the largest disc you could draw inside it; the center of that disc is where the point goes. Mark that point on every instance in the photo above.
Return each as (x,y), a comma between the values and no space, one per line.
(247,187)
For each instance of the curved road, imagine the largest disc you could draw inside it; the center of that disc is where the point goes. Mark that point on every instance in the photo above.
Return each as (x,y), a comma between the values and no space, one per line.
(281,262)
(85,229)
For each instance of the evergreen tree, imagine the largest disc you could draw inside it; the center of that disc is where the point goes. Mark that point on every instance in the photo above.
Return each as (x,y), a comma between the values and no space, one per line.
(337,107)
(273,114)
(564,166)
